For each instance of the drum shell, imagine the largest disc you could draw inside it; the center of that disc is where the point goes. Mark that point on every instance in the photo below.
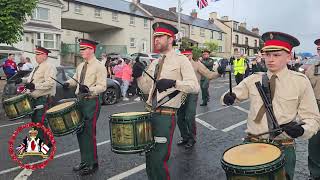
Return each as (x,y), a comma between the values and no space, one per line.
(64,121)
(130,134)
(272,170)
(19,107)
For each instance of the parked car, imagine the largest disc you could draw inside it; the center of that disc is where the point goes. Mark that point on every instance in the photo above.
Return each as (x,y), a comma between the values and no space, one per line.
(308,64)
(146,58)
(110,96)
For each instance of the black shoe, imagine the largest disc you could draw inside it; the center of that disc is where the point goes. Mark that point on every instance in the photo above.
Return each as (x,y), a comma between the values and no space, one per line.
(89,169)
(79,167)
(182,142)
(203,104)
(190,144)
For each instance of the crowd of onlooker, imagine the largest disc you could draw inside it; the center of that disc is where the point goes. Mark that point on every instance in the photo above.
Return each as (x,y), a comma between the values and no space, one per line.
(10,67)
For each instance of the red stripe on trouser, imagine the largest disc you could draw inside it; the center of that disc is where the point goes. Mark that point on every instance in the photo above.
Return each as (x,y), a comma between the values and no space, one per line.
(94,130)
(169,148)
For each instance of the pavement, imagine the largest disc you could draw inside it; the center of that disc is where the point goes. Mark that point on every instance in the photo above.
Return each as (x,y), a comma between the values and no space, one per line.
(218,128)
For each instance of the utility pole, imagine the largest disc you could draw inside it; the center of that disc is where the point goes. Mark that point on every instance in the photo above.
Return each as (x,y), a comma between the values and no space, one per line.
(179,21)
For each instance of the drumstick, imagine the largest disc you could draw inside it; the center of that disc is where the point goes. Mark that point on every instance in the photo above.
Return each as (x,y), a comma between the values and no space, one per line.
(75,80)
(230,82)
(57,81)
(278,129)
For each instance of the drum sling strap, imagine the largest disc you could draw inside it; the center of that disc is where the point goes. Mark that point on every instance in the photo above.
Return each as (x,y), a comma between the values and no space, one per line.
(266,91)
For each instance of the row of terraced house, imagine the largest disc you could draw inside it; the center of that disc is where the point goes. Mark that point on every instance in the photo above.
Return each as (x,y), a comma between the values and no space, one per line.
(123,27)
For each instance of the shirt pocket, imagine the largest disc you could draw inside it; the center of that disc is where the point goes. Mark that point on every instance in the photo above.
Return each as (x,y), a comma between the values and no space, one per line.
(255,103)
(288,103)
(171,73)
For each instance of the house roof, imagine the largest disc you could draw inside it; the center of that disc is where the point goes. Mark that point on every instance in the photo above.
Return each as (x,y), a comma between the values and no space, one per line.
(116,5)
(162,13)
(40,25)
(246,31)
(54,1)
(185,19)
(200,23)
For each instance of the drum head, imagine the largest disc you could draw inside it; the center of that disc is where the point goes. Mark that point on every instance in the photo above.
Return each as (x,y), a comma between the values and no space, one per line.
(129,115)
(252,154)
(60,107)
(15,98)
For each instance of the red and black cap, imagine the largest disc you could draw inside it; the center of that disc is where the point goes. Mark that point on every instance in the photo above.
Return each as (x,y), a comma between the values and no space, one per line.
(86,43)
(41,50)
(161,28)
(186,51)
(317,42)
(276,41)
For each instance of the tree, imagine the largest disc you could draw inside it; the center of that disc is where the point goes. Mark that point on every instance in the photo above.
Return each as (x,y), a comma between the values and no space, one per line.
(13,14)
(211,46)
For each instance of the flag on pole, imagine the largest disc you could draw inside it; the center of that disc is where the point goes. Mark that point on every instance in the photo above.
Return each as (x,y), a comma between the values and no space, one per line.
(202,3)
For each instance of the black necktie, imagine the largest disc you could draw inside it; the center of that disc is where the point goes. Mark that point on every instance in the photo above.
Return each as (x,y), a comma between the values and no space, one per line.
(83,72)
(34,73)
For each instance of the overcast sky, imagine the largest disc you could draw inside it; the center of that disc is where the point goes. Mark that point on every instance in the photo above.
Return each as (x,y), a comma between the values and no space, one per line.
(296,17)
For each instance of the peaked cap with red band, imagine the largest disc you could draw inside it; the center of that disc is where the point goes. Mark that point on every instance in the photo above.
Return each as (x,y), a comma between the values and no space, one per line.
(317,42)
(86,43)
(276,41)
(186,51)
(161,28)
(41,50)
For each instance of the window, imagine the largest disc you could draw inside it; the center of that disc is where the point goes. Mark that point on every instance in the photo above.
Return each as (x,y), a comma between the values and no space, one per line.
(114,16)
(219,48)
(219,35)
(183,32)
(132,42)
(235,26)
(41,14)
(77,8)
(145,23)
(46,40)
(97,12)
(131,20)
(246,41)
(192,30)
(255,43)
(236,39)
(202,32)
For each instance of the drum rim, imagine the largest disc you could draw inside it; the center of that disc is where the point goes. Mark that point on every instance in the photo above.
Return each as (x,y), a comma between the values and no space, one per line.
(237,169)
(74,105)
(129,118)
(9,100)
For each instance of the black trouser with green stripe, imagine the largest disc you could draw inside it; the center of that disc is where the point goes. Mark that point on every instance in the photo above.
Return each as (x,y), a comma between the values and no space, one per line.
(204,85)
(90,109)
(39,115)
(187,117)
(157,159)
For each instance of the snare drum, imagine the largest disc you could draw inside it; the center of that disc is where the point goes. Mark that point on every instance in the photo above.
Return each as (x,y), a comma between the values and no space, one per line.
(255,161)
(64,118)
(130,132)
(18,107)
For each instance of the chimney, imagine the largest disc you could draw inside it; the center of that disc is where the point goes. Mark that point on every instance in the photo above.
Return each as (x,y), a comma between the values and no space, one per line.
(194,14)
(244,25)
(173,9)
(255,30)
(136,1)
(213,15)
(225,18)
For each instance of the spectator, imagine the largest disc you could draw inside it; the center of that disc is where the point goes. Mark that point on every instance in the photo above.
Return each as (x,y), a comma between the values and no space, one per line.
(137,65)
(27,66)
(21,63)
(117,70)
(9,66)
(223,64)
(258,64)
(126,78)
(108,65)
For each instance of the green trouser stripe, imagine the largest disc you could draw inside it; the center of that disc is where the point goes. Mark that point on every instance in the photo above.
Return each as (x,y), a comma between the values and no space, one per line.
(90,109)
(157,158)
(186,117)
(37,114)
